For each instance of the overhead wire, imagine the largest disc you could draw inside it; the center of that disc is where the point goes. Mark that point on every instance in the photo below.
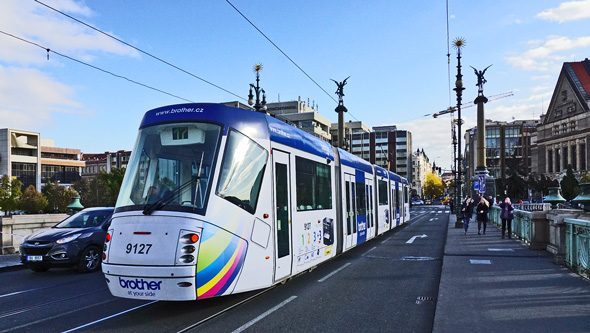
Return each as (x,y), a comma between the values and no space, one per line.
(140,50)
(280,50)
(94,67)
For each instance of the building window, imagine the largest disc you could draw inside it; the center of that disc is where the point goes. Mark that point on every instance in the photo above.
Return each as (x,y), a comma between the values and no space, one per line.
(26,173)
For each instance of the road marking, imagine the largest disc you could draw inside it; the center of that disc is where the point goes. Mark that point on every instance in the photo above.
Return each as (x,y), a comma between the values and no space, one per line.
(480,262)
(109,317)
(499,250)
(255,320)
(411,240)
(334,272)
(364,254)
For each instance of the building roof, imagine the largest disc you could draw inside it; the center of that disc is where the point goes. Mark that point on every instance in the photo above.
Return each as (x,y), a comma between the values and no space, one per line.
(580,73)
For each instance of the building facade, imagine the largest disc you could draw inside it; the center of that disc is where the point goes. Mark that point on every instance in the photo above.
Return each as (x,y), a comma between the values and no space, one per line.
(300,115)
(564,131)
(35,161)
(95,163)
(421,167)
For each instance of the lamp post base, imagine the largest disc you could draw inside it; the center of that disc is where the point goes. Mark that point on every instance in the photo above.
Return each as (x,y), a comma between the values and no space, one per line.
(458,222)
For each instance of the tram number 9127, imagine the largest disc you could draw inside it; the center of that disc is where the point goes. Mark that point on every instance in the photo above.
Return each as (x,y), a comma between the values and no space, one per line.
(138,248)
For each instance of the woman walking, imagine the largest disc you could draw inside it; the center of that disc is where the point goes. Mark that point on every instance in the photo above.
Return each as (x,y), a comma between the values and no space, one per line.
(507,215)
(482,215)
(467,212)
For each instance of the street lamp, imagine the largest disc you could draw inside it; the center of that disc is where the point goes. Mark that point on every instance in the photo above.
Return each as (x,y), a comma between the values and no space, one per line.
(458,44)
(258,105)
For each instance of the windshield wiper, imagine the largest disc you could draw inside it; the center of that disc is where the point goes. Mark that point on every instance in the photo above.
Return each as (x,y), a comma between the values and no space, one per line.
(148,209)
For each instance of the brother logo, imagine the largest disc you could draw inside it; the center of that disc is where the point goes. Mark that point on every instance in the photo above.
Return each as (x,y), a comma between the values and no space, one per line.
(139,284)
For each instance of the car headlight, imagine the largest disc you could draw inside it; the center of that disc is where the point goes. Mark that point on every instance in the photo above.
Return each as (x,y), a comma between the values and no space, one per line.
(67,239)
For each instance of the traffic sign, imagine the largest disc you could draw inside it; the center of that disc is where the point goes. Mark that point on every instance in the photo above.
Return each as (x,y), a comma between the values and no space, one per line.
(482,183)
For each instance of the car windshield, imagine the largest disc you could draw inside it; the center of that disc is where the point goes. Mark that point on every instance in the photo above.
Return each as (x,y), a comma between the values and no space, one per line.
(86,219)
(170,168)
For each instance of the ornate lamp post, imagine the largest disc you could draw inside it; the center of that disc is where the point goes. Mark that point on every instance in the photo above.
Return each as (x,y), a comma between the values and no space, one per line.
(458,44)
(259,106)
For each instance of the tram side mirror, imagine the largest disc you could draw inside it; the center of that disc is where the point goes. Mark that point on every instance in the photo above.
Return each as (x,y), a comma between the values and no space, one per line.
(181,135)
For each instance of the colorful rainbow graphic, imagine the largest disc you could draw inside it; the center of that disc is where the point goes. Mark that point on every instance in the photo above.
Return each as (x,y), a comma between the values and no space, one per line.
(220,260)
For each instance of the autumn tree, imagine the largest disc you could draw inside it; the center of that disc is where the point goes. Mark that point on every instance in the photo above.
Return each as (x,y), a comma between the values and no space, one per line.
(32,201)
(434,186)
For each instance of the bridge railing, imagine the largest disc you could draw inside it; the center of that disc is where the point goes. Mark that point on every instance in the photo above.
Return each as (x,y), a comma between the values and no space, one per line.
(526,225)
(577,245)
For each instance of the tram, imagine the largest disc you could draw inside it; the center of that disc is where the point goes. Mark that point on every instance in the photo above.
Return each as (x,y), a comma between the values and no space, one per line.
(219,200)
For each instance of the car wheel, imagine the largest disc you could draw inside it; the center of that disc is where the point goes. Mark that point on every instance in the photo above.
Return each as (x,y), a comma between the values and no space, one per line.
(39,268)
(90,260)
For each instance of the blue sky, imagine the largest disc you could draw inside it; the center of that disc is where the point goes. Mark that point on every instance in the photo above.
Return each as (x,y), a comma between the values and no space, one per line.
(393,51)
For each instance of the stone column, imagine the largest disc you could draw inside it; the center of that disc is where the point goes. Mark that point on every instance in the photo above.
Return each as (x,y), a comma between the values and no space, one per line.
(578,151)
(569,152)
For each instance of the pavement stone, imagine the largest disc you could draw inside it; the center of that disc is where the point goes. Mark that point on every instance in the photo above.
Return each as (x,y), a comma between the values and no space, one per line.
(489,284)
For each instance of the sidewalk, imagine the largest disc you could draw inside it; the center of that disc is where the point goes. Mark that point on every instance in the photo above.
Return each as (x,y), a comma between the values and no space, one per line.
(10,261)
(489,284)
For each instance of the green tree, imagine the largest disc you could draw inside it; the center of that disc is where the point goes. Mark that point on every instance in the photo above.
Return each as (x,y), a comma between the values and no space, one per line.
(569,184)
(434,186)
(58,197)
(32,201)
(10,192)
(112,182)
(83,188)
(516,186)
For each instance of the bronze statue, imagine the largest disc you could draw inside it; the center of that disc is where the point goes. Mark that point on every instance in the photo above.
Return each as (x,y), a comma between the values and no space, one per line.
(480,79)
(340,90)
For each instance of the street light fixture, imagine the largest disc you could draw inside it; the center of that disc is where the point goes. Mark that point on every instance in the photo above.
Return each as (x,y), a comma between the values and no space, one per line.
(259,106)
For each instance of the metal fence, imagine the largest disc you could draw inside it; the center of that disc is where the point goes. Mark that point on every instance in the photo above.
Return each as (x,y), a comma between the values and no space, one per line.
(521,224)
(577,245)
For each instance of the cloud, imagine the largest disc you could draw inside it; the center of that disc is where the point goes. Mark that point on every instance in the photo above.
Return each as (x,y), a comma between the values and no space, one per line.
(27,94)
(546,56)
(567,11)
(38,24)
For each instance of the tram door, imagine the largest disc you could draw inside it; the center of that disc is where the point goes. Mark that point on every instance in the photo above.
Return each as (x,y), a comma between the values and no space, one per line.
(283,258)
(350,210)
(370,208)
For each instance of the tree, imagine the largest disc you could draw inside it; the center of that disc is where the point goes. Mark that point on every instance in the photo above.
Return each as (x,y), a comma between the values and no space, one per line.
(10,192)
(83,188)
(32,201)
(569,184)
(515,183)
(434,186)
(59,197)
(585,178)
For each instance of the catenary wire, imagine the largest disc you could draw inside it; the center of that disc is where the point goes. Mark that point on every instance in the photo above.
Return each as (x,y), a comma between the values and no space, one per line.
(95,67)
(140,50)
(278,48)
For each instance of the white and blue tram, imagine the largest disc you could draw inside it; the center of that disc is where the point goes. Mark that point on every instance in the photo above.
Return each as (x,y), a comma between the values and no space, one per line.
(219,200)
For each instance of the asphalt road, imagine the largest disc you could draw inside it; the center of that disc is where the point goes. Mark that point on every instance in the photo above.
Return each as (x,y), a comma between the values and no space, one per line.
(387,284)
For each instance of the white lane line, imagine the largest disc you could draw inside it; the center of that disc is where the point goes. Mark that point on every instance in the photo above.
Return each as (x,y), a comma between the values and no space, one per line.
(499,250)
(255,320)
(364,254)
(480,262)
(109,317)
(334,272)
(16,328)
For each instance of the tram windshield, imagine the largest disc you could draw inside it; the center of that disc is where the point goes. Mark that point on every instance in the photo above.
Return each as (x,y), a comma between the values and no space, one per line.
(171,168)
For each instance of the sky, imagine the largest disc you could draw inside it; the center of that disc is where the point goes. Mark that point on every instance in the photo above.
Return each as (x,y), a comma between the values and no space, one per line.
(395,53)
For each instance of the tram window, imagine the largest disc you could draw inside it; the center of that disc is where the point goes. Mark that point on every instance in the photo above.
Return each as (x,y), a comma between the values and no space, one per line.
(382,193)
(360,199)
(170,171)
(314,185)
(242,170)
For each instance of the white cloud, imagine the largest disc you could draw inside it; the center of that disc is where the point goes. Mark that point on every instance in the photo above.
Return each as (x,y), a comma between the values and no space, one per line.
(38,24)
(545,57)
(567,11)
(27,94)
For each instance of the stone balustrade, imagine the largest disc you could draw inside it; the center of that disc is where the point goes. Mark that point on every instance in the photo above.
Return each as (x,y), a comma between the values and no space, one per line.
(16,228)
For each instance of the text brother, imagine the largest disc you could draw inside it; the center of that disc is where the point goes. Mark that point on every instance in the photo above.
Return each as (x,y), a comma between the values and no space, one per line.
(139,284)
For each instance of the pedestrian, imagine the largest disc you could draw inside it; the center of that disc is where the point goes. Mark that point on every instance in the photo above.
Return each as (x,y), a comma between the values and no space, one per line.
(452,206)
(466,212)
(507,215)
(482,214)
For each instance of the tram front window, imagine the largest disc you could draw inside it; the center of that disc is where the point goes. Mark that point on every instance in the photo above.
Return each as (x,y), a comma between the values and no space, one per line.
(170,168)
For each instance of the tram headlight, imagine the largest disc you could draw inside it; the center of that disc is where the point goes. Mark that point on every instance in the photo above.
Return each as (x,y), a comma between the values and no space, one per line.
(186,259)
(188,249)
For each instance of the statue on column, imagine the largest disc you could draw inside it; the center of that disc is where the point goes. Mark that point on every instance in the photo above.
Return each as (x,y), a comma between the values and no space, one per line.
(340,90)
(480,79)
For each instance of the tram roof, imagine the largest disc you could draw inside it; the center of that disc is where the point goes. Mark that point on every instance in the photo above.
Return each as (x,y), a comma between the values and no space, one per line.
(354,161)
(379,171)
(254,124)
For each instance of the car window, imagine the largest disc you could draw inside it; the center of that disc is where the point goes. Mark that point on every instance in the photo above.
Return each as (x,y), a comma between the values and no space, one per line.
(86,219)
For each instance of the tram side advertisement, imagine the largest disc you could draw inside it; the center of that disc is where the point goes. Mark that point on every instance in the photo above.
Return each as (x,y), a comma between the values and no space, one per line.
(314,242)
